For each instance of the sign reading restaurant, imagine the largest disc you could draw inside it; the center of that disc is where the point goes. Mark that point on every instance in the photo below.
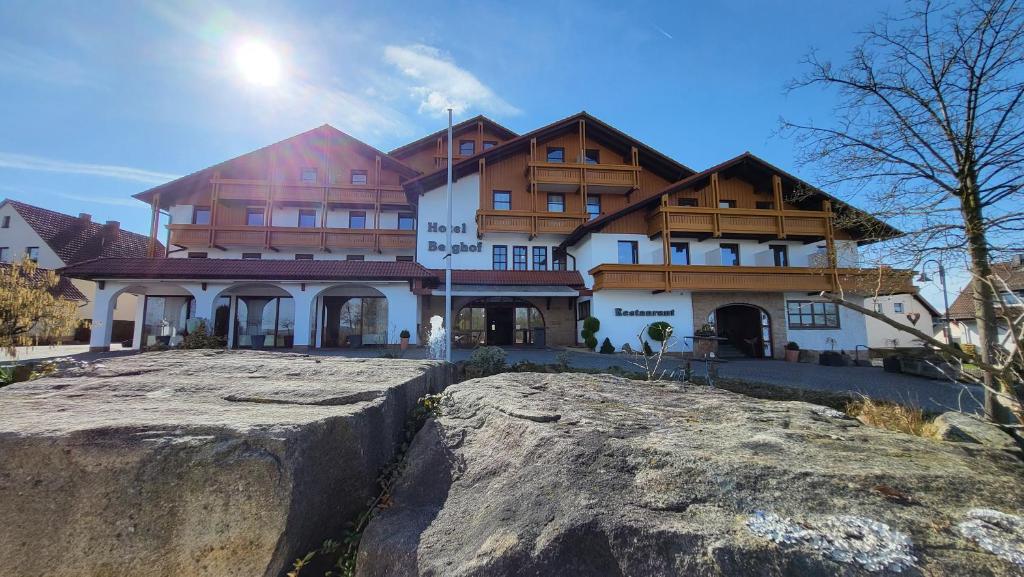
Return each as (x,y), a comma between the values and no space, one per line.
(433,246)
(640,313)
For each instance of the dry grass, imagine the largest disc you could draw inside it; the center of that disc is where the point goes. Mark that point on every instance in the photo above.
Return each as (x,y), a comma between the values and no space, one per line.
(891,416)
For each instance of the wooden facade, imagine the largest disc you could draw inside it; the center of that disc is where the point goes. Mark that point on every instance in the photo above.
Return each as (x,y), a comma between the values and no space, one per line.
(432,153)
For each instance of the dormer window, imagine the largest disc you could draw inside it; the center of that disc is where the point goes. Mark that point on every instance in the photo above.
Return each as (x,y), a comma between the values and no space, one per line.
(592,156)
(308,175)
(467,148)
(489,144)
(556,154)
(358,177)
(201,215)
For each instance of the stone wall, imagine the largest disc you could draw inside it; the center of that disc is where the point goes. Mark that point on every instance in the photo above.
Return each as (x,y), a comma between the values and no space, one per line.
(559,315)
(772,303)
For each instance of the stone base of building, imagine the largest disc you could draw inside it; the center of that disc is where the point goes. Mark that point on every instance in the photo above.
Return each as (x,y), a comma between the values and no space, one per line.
(104,349)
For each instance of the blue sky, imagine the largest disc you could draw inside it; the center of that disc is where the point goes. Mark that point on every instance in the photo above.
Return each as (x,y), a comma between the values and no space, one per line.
(105,99)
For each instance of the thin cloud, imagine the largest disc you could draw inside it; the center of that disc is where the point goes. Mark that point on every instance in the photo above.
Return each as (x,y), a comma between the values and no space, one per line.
(439,83)
(30,62)
(39,164)
(108,200)
(662,30)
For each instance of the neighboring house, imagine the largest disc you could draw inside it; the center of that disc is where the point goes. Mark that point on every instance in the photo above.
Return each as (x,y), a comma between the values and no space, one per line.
(909,309)
(55,240)
(321,240)
(964,326)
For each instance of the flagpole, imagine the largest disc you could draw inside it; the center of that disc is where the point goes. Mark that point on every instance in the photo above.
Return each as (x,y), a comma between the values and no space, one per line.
(449,325)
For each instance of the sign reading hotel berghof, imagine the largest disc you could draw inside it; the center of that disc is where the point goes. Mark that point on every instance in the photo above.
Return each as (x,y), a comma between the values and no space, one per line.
(642,313)
(433,246)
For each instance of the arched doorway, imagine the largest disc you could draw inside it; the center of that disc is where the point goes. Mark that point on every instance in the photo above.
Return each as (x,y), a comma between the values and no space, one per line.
(746,328)
(498,321)
(354,316)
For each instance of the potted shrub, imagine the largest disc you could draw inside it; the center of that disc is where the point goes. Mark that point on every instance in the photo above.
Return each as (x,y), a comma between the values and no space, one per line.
(404,339)
(705,341)
(792,352)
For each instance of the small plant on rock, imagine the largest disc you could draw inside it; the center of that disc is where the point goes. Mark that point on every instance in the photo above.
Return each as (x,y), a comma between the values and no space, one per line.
(486,361)
(199,338)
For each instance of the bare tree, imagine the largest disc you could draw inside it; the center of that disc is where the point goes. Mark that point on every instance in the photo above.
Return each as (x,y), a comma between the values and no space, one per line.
(929,126)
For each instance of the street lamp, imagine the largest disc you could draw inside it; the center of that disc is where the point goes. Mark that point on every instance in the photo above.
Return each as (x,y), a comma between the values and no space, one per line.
(945,295)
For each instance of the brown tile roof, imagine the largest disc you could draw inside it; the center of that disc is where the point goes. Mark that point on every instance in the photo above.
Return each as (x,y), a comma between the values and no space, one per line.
(963,307)
(75,239)
(236,269)
(65,289)
(569,278)
(872,227)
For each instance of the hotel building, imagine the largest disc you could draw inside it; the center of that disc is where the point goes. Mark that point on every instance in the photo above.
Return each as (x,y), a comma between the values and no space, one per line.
(321,240)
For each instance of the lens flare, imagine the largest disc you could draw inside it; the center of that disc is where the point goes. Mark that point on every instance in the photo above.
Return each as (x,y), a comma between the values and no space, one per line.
(258,63)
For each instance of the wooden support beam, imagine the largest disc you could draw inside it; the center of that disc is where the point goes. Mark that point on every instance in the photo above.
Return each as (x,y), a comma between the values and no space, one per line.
(154,225)
(715,199)
(777,201)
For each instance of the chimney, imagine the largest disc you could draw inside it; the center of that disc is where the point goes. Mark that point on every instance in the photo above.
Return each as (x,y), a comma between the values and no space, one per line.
(112,227)
(85,217)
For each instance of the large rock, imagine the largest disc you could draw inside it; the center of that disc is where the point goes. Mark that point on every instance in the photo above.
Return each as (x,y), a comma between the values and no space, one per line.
(960,427)
(582,475)
(189,463)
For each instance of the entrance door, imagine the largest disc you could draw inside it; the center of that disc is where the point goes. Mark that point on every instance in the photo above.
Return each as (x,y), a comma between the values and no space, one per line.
(501,323)
(747,329)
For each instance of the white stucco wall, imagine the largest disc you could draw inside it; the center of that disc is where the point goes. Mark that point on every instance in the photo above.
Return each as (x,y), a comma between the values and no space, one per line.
(852,329)
(881,335)
(625,329)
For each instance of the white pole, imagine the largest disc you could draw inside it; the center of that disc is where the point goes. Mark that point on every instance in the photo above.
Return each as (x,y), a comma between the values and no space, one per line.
(448,324)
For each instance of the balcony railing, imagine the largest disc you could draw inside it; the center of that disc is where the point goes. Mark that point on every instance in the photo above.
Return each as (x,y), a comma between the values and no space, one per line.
(263,191)
(708,278)
(557,176)
(524,221)
(719,221)
(196,235)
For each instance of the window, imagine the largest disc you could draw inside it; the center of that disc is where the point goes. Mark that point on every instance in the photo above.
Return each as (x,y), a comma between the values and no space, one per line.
(32,252)
(200,215)
(878,307)
(812,315)
(897,308)
(726,204)
(730,254)
(592,156)
(358,177)
(519,258)
(6,222)
(502,200)
(357,219)
(404,258)
(582,310)
(303,256)
(489,144)
(556,154)
(764,204)
(594,206)
(308,175)
(556,202)
(558,259)
(251,256)
(540,258)
(197,255)
(406,221)
(628,253)
(467,147)
(5,254)
(355,257)
(680,252)
(254,216)
(687,202)
(780,254)
(499,257)
(307,218)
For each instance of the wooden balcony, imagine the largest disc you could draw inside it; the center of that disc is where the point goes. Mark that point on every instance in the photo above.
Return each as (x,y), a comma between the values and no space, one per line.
(738,221)
(261,191)
(524,221)
(707,278)
(568,177)
(278,237)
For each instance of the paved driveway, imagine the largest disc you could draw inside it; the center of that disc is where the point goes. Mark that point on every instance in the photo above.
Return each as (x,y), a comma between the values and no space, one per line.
(934,396)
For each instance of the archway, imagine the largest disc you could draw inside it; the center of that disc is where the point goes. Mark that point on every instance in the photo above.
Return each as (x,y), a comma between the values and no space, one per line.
(499,321)
(261,315)
(354,316)
(745,328)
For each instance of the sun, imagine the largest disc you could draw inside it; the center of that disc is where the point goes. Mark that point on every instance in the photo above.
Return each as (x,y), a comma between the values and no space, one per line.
(258,63)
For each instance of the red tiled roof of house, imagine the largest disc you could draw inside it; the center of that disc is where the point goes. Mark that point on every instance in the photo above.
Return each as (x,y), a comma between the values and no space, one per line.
(75,239)
(236,269)
(963,307)
(569,278)
(65,289)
